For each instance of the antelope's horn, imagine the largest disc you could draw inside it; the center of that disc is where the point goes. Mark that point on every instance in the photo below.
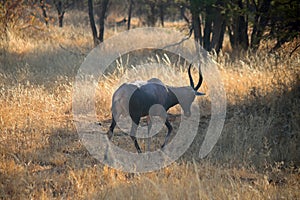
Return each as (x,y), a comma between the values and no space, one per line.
(191,79)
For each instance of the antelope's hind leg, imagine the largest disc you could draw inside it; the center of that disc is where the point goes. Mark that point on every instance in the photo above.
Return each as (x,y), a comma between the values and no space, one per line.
(133,133)
(110,132)
(149,139)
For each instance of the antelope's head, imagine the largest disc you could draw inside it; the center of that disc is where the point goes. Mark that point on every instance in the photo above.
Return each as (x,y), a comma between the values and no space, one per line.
(187,94)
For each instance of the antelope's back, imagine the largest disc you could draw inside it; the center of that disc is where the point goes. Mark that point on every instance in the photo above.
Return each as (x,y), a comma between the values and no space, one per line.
(137,97)
(120,99)
(145,96)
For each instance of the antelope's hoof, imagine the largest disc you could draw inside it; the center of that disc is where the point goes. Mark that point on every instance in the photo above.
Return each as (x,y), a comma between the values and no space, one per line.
(109,135)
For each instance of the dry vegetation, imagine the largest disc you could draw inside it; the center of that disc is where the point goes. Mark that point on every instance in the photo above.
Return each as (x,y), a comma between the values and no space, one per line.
(257,156)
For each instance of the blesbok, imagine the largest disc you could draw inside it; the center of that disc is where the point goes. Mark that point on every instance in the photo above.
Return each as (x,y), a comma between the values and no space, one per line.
(136,98)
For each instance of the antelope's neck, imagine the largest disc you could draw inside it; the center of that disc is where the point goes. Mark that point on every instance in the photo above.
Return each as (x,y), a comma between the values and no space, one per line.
(172,99)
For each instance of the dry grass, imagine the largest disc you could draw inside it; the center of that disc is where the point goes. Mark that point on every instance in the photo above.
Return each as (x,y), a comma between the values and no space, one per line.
(257,156)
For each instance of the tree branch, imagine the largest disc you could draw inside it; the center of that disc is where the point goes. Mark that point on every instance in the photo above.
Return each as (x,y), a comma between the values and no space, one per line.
(297,46)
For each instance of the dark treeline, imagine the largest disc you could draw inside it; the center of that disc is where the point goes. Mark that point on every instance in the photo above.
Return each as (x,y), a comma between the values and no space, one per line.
(247,22)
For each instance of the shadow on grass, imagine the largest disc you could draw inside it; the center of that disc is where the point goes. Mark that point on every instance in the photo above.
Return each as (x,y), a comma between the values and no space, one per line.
(258,133)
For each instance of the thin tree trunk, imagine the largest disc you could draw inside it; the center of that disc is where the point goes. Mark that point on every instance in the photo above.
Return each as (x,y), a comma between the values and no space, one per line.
(243,29)
(182,13)
(60,13)
(260,22)
(238,30)
(103,9)
(197,29)
(219,27)
(152,17)
(221,39)
(61,7)
(243,40)
(208,28)
(196,24)
(92,22)
(61,19)
(218,33)
(43,7)
(162,15)
(129,14)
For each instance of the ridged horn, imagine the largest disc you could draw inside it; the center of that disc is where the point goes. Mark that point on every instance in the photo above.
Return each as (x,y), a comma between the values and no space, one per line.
(191,79)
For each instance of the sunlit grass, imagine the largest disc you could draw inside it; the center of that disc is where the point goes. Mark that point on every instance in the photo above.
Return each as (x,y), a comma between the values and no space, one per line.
(42,157)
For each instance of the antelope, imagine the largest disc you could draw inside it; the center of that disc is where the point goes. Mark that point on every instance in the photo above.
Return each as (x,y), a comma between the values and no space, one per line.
(136,98)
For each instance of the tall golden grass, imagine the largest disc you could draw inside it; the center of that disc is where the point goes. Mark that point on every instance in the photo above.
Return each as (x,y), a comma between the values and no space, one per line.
(257,156)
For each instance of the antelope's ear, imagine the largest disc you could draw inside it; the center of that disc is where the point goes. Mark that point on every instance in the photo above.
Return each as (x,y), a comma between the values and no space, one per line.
(199,93)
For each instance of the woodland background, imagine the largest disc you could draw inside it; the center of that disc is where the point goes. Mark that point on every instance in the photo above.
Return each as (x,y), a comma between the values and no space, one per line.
(256,46)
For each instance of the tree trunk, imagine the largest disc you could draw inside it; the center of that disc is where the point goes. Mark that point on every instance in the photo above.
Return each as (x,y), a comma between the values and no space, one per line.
(92,22)
(152,17)
(60,12)
(238,31)
(260,22)
(243,40)
(44,11)
(162,14)
(208,28)
(129,14)
(182,14)
(219,27)
(61,19)
(219,46)
(243,33)
(218,33)
(197,29)
(102,14)
(196,24)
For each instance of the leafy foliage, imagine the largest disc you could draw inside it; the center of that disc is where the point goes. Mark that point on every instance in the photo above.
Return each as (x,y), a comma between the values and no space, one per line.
(284,21)
(247,23)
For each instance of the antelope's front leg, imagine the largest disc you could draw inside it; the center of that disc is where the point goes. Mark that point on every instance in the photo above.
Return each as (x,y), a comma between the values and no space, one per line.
(170,128)
(110,132)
